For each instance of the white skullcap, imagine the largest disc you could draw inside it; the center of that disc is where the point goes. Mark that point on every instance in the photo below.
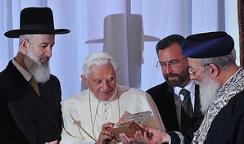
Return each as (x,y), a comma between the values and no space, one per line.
(97,58)
(97,55)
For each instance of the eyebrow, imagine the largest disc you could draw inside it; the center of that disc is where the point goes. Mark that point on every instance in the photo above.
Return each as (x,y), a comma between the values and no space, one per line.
(47,43)
(170,60)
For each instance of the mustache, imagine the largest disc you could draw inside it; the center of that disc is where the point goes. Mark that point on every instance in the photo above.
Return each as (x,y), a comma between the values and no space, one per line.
(171,75)
(44,59)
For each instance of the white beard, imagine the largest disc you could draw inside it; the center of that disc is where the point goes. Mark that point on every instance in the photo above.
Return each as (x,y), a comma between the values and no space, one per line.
(208,91)
(39,70)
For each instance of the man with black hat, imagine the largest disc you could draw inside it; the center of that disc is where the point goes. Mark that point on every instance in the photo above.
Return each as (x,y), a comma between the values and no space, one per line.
(211,58)
(30,95)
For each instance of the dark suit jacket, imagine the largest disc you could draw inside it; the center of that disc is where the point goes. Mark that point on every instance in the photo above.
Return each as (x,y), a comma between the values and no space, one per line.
(163,96)
(25,116)
(228,125)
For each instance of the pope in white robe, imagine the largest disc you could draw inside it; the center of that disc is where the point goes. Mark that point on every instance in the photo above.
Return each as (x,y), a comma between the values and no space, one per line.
(104,101)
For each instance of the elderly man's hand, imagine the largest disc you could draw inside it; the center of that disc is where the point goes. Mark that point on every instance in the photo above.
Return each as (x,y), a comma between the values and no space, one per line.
(125,139)
(105,136)
(151,136)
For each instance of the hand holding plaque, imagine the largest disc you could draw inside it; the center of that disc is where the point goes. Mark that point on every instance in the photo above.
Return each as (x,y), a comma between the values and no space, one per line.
(130,123)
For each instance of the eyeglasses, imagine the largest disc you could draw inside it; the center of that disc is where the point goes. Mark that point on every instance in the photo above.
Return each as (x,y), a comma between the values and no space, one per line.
(172,64)
(193,70)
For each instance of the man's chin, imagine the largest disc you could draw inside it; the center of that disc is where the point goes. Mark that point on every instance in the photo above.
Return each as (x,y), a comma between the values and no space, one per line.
(172,77)
(42,78)
(208,92)
(173,83)
(105,96)
(41,73)
(44,62)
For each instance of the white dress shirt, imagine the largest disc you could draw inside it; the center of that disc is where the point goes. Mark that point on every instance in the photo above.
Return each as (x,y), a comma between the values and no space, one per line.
(191,88)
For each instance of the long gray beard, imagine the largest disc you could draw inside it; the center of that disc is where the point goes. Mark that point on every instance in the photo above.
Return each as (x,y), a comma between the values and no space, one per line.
(40,71)
(208,91)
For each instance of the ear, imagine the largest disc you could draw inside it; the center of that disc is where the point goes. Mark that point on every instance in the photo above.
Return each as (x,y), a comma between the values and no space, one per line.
(84,79)
(213,70)
(24,45)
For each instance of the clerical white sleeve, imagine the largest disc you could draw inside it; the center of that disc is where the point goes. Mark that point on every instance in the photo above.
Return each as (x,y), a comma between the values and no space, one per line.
(84,114)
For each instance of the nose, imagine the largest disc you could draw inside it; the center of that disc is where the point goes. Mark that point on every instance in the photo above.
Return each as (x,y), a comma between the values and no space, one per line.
(48,51)
(105,84)
(167,69)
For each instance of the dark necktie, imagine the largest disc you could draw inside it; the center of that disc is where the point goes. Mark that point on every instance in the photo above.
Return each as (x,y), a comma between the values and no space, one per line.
(186,111)
(34,85)
(186,104)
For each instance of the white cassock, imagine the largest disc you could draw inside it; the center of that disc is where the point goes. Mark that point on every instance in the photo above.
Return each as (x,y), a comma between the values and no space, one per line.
(84,114)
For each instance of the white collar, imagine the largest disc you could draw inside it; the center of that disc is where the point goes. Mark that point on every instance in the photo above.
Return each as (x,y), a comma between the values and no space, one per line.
(190,86)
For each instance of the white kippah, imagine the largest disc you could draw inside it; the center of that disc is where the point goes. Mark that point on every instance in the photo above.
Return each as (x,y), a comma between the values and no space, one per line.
(97,55)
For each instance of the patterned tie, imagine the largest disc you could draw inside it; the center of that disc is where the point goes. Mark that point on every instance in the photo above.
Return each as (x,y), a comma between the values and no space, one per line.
(186,104)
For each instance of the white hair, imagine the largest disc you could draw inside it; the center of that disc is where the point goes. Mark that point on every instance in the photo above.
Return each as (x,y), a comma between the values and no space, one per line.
(23,37)
(98,58)
(223,62)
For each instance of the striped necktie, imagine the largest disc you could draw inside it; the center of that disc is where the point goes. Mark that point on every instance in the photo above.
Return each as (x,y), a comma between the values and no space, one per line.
(186,104)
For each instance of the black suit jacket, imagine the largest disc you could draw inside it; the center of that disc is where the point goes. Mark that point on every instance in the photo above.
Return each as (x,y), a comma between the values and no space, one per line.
(25,116)
(228,125)
(163,96)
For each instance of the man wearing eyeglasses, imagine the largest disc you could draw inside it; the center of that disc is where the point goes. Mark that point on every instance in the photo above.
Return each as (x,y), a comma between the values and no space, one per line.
(177,98)
(211,58)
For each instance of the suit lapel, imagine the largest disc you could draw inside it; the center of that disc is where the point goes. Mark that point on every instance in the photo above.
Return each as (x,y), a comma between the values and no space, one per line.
(22,115)
(18,103)
(171,110)
(42,106)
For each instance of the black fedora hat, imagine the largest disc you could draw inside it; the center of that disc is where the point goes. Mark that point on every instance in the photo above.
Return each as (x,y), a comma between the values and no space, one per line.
(35,20)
